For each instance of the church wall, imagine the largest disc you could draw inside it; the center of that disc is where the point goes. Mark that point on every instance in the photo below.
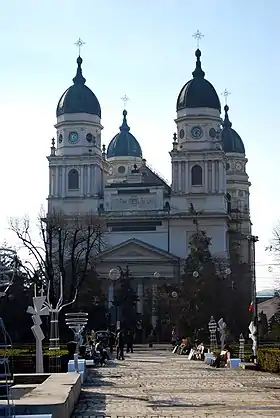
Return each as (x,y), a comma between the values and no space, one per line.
(211,203)
(74,206)
(181,230)
(158,239)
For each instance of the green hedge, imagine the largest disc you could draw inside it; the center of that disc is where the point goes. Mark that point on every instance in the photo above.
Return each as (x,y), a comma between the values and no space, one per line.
(269,359)
(16,352)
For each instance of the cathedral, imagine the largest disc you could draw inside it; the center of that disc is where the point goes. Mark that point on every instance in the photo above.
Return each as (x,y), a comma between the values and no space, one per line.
(148,221)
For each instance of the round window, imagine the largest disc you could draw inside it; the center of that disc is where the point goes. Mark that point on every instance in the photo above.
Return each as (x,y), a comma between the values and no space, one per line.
(121,169)
(182,133)
(60,138)
(227,166)
(89,137)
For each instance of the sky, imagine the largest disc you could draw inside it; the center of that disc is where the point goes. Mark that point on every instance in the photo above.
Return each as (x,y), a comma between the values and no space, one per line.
(144,49)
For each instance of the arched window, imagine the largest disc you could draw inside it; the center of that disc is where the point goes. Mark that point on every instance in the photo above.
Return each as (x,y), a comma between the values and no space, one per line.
(196,175)
(228,196)
(73,179)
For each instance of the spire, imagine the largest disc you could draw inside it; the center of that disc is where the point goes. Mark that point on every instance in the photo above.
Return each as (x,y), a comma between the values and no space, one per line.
(79,79)
(227,123)
(124,127)
(198,72)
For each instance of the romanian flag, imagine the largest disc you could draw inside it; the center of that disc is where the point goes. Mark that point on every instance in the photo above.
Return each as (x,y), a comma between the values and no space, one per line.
(251,307)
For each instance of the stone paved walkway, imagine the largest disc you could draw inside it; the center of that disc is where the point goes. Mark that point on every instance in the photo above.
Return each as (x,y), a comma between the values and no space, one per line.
(160,384)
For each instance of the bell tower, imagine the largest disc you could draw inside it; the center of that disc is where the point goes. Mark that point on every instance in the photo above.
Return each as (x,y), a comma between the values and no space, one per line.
(77,164)
(238,188)
(198,160)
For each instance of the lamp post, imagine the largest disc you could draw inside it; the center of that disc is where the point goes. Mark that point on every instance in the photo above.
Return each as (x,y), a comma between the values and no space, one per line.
(252,239)
(114,275)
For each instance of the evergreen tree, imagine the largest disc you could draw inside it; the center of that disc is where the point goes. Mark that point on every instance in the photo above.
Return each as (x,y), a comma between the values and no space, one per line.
(126,299)
(199,287)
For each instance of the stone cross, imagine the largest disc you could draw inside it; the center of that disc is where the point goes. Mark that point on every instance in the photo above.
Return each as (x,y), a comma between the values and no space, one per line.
(37,310)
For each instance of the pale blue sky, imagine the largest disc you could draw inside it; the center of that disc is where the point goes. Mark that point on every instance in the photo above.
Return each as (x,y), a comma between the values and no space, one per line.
(144,49)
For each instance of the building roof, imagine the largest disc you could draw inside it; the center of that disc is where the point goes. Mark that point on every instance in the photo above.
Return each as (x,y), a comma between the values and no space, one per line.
(78,98)
(198,92)
(231,141)
(124,144)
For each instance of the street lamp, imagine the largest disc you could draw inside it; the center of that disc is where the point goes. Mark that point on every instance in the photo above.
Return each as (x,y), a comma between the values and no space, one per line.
(252,239)
(114,275)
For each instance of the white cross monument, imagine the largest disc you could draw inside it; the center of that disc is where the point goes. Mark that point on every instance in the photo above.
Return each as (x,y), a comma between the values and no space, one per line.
(37,310)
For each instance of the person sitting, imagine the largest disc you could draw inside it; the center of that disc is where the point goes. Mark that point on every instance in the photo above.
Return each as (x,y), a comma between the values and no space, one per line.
(199,354)
(102,352)
(183,347)
(221,359)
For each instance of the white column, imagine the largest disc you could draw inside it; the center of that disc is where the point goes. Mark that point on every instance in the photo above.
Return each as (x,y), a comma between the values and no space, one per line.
(111,295)
(94,180)
(88,180)
(179,176)
(221,177)
(82,181)
(63,182)
(140,298)
(57,181)
(206,176)
(173,176)
(183,176)
(187,177)
(213,176)
(50,181)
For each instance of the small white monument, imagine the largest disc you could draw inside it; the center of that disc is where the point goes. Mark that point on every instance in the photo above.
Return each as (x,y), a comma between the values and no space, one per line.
(37,310)
(253,336)
(241,347)
(222,331)
(212,326)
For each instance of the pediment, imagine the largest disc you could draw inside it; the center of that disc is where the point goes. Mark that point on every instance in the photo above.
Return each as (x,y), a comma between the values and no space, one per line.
(135,250)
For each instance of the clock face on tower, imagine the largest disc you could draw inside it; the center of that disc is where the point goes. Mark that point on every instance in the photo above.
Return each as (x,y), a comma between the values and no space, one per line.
(73,138)
(196,132)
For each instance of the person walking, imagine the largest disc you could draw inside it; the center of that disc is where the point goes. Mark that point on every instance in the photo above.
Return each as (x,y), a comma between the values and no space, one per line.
(111,341)
(129,342)
(174,337)
(120,345)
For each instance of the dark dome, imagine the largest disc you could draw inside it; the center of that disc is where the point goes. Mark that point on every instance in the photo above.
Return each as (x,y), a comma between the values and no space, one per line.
(198,92)
(124,144)
(78,98)
(231,141)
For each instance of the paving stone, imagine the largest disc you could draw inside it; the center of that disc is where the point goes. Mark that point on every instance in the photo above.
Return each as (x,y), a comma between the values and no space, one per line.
(156,383)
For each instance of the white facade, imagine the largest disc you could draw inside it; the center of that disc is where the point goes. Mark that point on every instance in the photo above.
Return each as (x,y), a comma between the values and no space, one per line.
(137,206)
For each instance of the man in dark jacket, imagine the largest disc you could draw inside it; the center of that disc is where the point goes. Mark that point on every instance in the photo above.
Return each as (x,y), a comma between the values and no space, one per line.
(129,342)
(120,345)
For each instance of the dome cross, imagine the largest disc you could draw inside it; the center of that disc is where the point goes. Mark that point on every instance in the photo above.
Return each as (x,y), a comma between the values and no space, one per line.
(198,36)
(79,44)
(226,93)
(125,99)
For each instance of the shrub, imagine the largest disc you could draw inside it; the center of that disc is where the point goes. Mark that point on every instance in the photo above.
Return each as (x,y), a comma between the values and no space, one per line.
(269,359)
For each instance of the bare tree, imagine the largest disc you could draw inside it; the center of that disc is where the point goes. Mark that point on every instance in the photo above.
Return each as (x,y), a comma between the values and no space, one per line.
(62,258)
(274,247)
(66,249)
